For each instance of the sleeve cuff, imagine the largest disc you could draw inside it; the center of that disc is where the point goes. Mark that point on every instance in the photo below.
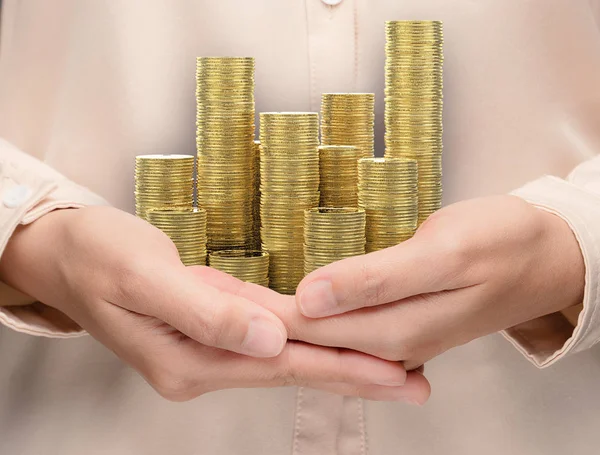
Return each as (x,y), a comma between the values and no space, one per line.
(24,198)
(546,340)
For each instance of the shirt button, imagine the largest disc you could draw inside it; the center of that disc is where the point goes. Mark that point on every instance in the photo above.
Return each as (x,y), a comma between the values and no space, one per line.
(16,196)
(332,2)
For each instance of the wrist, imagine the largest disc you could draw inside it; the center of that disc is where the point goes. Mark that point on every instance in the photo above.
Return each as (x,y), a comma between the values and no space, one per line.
(28,261)
(564,249)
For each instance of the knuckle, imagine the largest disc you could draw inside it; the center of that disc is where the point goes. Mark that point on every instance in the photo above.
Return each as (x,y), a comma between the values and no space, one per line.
(172,384)
(291,371)
(296,369)
(389,346)
(219,322)
(453,242)
(372,283)
(455,248)
(405,350)
(134,276)
(397,347)
(396,352)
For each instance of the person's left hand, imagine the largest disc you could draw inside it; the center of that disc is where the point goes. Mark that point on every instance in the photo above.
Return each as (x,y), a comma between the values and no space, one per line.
(472,269)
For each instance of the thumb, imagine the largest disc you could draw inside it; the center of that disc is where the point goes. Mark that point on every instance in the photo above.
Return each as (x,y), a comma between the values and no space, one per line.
(213,315)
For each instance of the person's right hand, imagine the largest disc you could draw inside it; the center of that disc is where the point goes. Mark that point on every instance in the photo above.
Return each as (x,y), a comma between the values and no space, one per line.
(187,330)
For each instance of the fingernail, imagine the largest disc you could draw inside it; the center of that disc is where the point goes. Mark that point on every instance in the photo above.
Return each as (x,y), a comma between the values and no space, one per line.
(264,339)
(317,299)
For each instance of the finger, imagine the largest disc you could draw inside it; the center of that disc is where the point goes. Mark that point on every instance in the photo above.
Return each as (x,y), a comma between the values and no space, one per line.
(216,278)
(180,368)
(349,330)
(302,364)
(207,314)
(385,276)
(368,331)
(283,306)
(413,330)
(416,390)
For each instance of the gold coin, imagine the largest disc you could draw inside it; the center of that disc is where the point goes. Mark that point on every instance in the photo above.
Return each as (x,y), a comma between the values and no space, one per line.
(163,181)
(388,192)
(332,234)
(289,183)
(338,176)
(247,265)
(348,119)
(227,165)
(186,228)
(414,102)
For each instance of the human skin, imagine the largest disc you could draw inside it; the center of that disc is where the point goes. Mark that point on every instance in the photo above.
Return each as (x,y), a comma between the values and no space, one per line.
(473,268)
(187,330)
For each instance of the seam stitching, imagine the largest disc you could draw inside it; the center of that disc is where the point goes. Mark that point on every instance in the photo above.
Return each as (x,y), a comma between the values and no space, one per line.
(298,421)
(362,426)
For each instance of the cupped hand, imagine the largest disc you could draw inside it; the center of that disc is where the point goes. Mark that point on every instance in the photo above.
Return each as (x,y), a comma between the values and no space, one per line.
(187,330)
(472,269)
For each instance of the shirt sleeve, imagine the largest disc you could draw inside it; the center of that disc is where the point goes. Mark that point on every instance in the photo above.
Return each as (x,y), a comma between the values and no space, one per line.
(548,339)
(28,190)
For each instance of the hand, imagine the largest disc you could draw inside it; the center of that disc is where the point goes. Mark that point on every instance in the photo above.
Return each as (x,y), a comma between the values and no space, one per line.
(186,330)
(472,269)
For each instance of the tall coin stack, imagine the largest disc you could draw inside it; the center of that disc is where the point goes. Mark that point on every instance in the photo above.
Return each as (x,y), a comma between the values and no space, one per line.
(163,181)
(413,103)
(225,136)
(332,234)
(339,175)
(186,228)
(289,184)
(348,119)
(387,191)
(245,265)
(256,199)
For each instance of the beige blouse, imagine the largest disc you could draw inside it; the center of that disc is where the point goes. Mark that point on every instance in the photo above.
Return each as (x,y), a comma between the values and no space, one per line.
(85,85)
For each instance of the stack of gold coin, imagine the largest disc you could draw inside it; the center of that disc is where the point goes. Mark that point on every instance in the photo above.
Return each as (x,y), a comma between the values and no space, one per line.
(225,143)
(256,200)
(246,265)
(387,191)
(289,184)
(163,181)
(339,175)
(348,119)
(413,103)
(332,234)
(186,228)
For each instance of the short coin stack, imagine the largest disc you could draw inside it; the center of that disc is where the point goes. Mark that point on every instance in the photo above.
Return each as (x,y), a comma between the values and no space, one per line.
(332,234)
(413,103)
(348,119)
(289,184)
(187,230)
(246,265)
(339,175)
(225,135)
(387,191)
(163,181)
